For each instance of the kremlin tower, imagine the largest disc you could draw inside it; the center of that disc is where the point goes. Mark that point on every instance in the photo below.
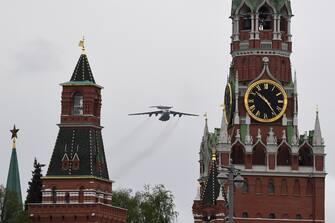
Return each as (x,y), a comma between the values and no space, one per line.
(283,170)
(77,187)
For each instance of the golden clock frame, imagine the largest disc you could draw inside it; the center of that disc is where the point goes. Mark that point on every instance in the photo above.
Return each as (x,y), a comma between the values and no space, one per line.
(230,103)
(246,97)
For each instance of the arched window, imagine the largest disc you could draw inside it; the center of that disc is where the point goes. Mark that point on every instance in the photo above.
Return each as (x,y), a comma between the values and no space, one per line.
(271,187)
(65,162)
(305,156)
(245,18)
(78,104)
(259,188)
(54,194)
(75,162)
(298,216)
(265,17)
(245,187)
(283,19)
(272,215)
(237,154)
(283,187)
(309,188)
(258,155)
(284,156)
(245,215)
(67,197)
(296,187)
(258,215)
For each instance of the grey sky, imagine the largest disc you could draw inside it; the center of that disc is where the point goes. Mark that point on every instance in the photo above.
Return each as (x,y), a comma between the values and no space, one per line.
(145,52)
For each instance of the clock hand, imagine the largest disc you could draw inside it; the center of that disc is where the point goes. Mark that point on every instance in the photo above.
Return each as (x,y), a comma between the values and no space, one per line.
(266,101)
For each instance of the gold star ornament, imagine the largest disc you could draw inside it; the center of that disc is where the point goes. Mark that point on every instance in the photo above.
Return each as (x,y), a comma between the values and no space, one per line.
(14,132)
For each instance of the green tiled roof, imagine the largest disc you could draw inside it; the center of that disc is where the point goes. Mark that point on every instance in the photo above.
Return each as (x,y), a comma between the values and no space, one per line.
(13,179)
(87,143)
(82,72)
(212,186)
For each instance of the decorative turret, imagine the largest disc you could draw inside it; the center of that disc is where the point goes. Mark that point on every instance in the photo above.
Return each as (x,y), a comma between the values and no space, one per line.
(204,154)
(317,137)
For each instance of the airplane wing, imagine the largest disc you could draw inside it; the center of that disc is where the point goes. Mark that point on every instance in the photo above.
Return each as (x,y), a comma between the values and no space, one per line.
(148,113)
(174,113)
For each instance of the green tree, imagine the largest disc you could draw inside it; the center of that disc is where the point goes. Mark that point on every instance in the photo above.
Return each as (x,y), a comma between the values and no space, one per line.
(11,209)
(152,205)
(34,192)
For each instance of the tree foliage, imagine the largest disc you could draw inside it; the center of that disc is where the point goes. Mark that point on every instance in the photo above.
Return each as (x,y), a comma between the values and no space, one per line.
(34,192)
(11,209)
(152,205)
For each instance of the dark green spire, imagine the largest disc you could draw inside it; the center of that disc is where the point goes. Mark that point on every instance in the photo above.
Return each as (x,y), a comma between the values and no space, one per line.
(13,179)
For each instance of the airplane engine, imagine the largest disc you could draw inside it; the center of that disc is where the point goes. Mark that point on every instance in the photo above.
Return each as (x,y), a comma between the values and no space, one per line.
(180,115)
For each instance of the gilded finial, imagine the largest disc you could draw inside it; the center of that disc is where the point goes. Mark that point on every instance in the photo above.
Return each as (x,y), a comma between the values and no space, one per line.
(14,136)
(213,157)
(206,116)
(82,45)
(223,107)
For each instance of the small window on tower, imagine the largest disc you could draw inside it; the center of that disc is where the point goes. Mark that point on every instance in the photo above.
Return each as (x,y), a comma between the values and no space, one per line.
(272,216)
(67,197)
(271,187)
(283,19)
(305,156)
(75,162)
(265,18)
(65,162)
(54,194)
(245,188)
(245,18)
(298,216)
(78,104)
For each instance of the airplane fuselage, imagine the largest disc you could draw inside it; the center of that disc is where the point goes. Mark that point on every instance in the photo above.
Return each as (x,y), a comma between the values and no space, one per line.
(165,116)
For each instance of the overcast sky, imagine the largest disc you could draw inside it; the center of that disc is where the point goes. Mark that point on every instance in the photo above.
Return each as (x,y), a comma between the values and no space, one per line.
(145,52)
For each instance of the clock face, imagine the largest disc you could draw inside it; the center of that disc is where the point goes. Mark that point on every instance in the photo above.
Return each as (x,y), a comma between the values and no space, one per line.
(265,100)
(228,103)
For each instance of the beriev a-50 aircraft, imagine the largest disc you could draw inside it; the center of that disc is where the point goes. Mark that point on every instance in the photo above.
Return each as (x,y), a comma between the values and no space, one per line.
(165,112)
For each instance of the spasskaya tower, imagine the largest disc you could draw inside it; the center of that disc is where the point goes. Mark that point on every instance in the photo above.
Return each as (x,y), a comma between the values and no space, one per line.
(284,170)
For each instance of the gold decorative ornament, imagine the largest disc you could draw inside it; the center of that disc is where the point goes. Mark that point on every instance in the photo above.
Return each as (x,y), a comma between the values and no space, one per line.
(265,101)
(228,104)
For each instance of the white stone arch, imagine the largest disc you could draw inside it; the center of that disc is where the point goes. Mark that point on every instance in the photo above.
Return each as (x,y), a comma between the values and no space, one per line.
(241,5)
(266,2)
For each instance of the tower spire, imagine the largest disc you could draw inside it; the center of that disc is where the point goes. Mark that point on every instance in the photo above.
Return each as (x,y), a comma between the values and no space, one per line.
(223,138)
(206,127)
(83,71)
(13,179)
(317,136)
